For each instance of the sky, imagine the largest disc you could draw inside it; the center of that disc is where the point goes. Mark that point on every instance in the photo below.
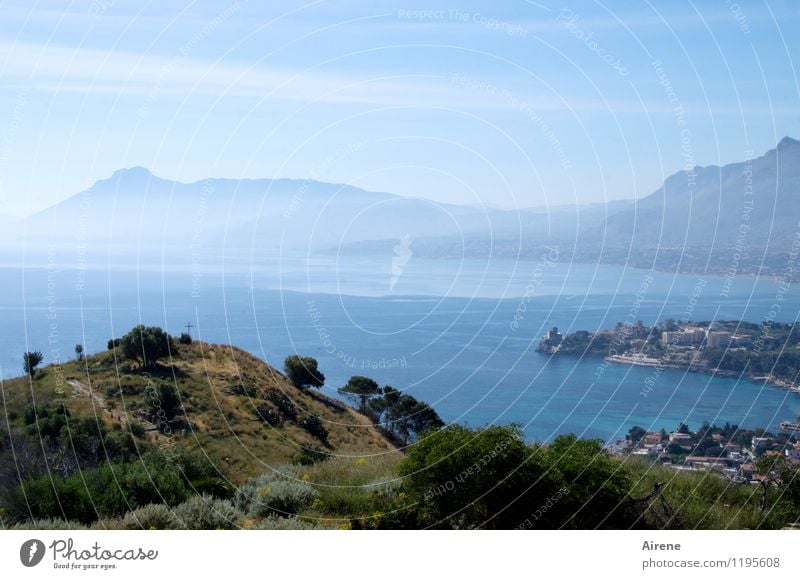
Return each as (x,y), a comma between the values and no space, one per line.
(511,104)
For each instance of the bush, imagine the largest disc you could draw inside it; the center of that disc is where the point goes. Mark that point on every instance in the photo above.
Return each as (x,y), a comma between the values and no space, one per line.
(465,478)
(276,493)
(204,512)
(268,415)
(285,405)
(313,425)
(597,484)
(309,456)
(48,525)
(283,524)
(154,516)
(185,339)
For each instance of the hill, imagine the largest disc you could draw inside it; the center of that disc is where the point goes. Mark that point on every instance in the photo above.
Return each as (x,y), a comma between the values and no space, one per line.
(239,412)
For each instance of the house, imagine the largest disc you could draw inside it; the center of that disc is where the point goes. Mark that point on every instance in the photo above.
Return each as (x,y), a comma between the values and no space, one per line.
(688,336)
(651,438)
(746,471)
(680,438)
(733,447)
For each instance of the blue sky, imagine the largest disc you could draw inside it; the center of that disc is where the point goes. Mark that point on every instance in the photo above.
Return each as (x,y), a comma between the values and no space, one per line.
(510,104)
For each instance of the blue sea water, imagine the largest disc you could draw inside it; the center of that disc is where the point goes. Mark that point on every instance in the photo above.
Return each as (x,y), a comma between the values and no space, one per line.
(457,334)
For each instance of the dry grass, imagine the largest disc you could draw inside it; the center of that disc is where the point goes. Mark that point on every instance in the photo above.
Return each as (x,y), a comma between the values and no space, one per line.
(220,388)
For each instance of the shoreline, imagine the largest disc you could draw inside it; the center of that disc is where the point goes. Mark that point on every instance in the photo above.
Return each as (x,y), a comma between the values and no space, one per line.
(645,362)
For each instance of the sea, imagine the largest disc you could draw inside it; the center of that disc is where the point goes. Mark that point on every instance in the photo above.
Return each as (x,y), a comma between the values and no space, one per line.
(458,334)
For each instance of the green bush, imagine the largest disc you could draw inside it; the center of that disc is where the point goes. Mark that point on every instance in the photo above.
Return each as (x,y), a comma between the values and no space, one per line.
(283,524)
(464,478)
(48,525)
(285,405)
(313,425)
(276,493)
(597,485)
(268,415)
(204,512)
(154,516)
(309,456)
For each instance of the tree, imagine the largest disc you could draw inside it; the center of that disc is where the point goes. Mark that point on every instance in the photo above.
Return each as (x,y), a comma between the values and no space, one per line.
(168,399)
(302,371)
(362,389)
(598,485)
(79,351)
(185,338)
(30,360)
(683,428)
(146,345)
(402,414)
(465,478)
(636,433)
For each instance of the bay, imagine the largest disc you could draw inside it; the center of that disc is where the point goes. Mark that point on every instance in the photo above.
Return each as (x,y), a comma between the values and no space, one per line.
(458,334)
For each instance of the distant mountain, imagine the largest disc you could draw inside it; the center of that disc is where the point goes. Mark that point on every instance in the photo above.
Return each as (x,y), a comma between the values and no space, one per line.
(696,221)
(751,204)
(135,211)
(739,218)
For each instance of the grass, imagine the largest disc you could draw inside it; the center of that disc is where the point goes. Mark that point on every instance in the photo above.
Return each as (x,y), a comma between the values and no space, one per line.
(707,500)
(220,387)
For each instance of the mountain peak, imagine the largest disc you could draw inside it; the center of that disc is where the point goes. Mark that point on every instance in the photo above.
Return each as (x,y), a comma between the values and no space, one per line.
(787,142)
(133,172)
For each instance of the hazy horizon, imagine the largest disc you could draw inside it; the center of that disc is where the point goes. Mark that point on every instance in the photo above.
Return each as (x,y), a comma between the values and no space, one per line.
(521,105)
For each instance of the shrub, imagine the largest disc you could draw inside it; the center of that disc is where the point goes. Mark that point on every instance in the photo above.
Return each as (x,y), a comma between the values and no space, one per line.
(136,429)
(205,512)
(313,425)
(283,524)
(54,524)
(285,405)
(242,389)
(467,478)
(309,456)
(597,483)
(154,516)
(268,415)
(275,493)
(185,339)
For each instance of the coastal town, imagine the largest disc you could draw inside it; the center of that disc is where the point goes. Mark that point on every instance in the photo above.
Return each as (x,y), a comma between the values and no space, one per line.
(727,450)
(767,352)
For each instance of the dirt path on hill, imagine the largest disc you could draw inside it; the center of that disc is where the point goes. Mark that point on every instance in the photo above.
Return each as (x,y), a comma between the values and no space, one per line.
(122,418)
